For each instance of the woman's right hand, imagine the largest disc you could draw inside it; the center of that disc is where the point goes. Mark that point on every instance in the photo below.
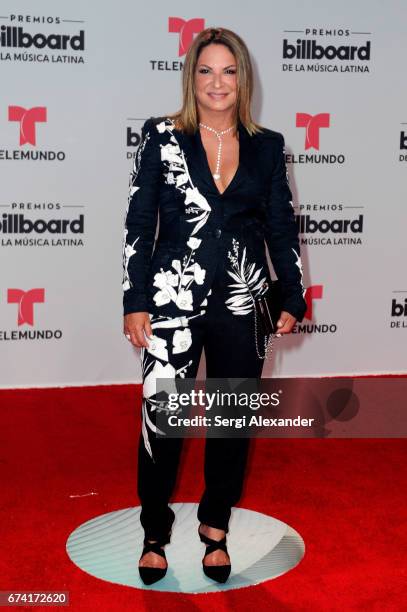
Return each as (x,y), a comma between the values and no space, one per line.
(135,325)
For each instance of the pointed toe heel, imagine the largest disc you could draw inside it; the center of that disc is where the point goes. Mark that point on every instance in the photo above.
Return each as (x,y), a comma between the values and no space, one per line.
(219,573)
(149,575)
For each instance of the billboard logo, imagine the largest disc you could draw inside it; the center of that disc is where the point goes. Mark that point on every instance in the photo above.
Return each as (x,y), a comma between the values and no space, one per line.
(19,224)
(307,49)
(398,311)
(16,37)
(27,117)
(403,146)
(329,231)
(327,50)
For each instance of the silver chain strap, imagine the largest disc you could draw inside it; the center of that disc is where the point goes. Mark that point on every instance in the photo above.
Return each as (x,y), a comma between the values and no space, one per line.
(268,339)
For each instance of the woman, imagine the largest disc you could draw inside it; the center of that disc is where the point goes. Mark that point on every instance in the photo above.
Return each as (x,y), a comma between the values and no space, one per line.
(218,183)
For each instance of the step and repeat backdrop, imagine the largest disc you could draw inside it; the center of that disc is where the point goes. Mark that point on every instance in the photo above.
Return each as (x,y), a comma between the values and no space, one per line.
(78,81)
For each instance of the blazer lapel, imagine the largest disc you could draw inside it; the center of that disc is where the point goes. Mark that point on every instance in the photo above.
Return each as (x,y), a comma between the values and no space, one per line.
(246,159)
(198,166)
(190,145)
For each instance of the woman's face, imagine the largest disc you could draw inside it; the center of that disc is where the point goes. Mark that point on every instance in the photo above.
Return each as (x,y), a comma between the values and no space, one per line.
(215,78)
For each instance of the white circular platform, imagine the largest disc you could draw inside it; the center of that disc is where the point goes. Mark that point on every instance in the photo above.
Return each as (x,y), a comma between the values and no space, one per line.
(260,548)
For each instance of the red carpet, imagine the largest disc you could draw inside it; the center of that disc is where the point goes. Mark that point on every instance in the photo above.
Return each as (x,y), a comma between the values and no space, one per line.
(345,497)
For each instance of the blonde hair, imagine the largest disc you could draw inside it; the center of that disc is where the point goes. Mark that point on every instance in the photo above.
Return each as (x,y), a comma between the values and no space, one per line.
(186,118)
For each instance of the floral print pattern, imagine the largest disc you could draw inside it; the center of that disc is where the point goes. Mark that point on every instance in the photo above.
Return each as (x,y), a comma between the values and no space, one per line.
(128,249)
(298,263)
(177,174)
(174,285)
(155,363)
(168,354)
(248,282)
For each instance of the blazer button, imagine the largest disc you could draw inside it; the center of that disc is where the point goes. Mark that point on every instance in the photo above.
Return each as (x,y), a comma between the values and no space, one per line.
(218,233)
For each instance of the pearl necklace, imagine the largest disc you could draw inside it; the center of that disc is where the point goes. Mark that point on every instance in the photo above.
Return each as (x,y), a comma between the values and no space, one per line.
(216,174)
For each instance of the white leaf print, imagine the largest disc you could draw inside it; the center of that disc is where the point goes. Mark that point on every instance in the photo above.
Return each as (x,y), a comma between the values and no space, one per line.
(158,347)
(128,248)
(201,221)
(176,264)
(128,252)
(169,178)
(248,282)
(158,371)
(164,126)
(184,299)
(186,278)
(193,196)
(163,279)
(182,179)
(172,287)
(133,190)
(194,243)
(165,295)
(170,153)
(199,274)
(153,369)
(298,263)
(182,340)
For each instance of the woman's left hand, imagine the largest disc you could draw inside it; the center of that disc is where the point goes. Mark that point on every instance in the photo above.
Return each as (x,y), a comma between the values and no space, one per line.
(285,323)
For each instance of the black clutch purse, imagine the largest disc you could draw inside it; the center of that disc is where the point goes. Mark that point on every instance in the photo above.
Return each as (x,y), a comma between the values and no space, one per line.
(268,307)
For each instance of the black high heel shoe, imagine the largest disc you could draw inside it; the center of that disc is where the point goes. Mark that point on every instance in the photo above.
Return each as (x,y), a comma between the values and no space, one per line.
(149,575)
(220,573)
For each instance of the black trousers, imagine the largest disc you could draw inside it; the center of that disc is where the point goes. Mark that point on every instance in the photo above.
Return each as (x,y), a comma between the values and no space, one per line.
(230,351)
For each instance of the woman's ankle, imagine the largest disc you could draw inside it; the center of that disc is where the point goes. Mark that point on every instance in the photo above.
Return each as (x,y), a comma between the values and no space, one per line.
(212,532)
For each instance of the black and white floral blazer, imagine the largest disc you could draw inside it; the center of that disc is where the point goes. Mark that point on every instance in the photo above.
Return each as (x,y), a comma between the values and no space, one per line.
(201,229)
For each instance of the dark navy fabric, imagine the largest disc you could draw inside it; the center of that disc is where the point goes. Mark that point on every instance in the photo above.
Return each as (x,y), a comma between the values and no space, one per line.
(171,184)
(198,282)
